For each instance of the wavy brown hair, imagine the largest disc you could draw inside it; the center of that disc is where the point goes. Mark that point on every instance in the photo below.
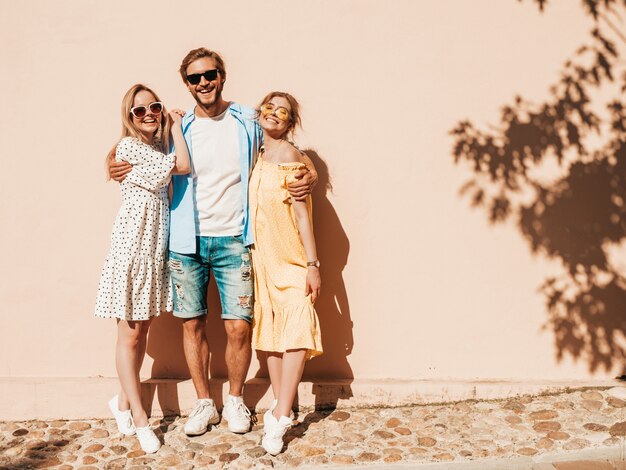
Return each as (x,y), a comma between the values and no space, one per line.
(294,114)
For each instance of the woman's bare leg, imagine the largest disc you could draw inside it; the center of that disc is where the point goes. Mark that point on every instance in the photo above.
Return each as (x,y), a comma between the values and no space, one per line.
(291,373)
(122,399)
(129,352)
(274,367)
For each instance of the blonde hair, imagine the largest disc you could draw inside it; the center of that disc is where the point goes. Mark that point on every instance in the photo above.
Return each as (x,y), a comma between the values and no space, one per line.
(162,137)
(294,114)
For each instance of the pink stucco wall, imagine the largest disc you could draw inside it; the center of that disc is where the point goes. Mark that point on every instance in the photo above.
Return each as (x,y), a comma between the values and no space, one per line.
(417,284)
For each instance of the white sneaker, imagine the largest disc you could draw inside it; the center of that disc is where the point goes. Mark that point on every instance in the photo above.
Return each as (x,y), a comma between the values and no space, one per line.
(147,440)
(202,415)
(275,402)
(273,432)
(237,415)
(123,419)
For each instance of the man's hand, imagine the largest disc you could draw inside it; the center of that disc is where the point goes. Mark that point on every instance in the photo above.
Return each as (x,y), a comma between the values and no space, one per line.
(304,184)
(119,170)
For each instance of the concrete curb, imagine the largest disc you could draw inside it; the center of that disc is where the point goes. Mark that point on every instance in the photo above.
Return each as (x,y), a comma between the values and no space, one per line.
(86,398)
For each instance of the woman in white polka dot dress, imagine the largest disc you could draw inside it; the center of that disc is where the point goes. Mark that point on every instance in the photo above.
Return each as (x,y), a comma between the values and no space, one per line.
(135,285)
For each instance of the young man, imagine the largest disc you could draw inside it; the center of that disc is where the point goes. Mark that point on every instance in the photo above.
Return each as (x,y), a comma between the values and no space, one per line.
(210,231)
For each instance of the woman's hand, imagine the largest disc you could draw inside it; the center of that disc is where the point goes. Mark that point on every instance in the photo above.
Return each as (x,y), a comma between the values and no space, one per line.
(176,115)
(313,283)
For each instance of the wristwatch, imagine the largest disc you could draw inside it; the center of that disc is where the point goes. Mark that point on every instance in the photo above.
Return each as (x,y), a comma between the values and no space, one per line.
(315,263)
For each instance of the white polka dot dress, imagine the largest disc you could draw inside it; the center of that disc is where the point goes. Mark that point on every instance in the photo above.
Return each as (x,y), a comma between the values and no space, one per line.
(135,280)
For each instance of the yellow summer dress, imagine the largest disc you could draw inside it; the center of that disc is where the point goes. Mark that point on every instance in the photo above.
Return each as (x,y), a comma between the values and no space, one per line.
(284,318)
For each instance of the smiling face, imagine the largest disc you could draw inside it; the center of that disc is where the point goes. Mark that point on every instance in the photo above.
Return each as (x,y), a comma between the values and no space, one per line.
(149,124)
(206,93)
(275,116)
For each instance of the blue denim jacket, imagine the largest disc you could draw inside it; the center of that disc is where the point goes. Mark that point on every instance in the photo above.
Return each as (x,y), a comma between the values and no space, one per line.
(183,207)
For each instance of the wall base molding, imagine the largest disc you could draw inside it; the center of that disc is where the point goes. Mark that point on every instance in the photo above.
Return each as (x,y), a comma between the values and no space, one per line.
(83,398)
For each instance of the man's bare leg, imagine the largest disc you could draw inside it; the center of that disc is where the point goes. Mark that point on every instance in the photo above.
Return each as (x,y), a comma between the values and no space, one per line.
(238,354)
(196,349)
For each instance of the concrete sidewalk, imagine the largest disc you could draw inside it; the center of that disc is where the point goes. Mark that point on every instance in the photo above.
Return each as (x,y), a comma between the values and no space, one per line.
(608,458)
(577,430)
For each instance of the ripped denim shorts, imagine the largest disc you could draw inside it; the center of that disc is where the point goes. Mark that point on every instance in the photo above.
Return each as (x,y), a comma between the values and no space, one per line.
(231,264)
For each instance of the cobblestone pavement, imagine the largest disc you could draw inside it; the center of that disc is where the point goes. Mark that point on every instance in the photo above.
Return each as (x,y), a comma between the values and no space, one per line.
(460,432)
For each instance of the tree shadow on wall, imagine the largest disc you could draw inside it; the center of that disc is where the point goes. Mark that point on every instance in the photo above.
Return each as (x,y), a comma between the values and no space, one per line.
(558,169)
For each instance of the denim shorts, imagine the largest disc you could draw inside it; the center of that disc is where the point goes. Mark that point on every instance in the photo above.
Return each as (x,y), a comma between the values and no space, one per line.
(231,264)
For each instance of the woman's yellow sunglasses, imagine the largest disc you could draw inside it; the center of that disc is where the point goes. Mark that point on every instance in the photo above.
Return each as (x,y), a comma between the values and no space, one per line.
(280,112)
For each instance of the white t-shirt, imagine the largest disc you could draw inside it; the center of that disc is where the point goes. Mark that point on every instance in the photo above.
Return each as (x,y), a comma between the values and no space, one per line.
(217,176)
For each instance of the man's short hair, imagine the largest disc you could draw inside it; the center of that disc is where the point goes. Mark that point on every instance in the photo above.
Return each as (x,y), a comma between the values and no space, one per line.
(199,53)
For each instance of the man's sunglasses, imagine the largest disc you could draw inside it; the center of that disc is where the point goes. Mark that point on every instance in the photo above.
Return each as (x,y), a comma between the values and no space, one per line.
(141,110)
(209,75)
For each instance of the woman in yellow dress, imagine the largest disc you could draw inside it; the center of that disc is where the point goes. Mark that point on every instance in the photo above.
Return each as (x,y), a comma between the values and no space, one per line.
(286,268)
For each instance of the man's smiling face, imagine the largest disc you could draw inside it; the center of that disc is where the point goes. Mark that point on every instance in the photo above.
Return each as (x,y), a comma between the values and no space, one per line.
(206,93)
